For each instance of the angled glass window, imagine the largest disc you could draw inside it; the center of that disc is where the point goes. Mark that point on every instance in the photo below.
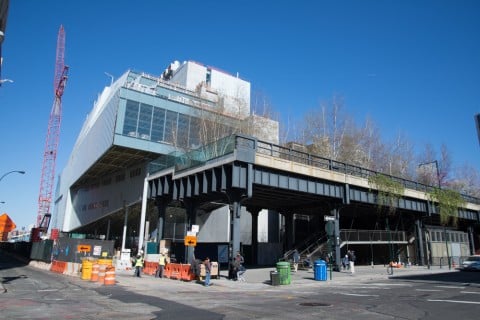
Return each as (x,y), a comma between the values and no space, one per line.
(131,119)
(183,130)
(171,127)
(158,124)
(145,121)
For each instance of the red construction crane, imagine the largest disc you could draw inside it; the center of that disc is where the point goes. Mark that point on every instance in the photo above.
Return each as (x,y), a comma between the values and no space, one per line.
(51,143)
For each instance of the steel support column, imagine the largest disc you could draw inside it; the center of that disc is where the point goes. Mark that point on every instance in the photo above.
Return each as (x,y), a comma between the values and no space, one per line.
(420,246)
(254,211)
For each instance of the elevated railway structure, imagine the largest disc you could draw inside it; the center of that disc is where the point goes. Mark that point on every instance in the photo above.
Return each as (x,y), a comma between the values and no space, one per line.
(241,171)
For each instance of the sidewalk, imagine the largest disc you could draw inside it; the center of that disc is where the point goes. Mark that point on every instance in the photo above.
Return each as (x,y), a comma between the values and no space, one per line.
(258,279)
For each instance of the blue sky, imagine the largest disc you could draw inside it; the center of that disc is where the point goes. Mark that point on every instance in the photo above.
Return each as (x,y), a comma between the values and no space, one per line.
(412,66)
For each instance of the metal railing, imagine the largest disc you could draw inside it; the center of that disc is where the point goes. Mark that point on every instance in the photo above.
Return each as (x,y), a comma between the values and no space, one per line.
(373,235)
(228,145)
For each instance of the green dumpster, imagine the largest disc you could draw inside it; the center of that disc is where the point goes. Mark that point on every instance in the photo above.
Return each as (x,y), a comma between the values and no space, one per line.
(283,269)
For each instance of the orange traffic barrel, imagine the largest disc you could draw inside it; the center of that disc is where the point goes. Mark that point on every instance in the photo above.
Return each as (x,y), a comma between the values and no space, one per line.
(101,273)
(109,276)
(95,270)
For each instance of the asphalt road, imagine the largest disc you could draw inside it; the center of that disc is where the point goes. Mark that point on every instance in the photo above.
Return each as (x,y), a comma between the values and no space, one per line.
(31,293)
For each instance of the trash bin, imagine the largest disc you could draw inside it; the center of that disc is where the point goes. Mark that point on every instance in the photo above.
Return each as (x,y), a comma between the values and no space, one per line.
(274,278)
(283,269)
(320,270)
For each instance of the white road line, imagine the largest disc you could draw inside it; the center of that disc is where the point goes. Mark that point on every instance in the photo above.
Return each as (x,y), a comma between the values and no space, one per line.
(46,290)
(470,292)
(359,295)
(433,290)
(391,284)
(455,301)
(450,287)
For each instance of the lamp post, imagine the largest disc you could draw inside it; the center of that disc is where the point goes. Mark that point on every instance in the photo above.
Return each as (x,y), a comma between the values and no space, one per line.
(17,171)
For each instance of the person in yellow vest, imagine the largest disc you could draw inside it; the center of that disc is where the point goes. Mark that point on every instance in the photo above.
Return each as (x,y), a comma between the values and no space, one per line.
(138,265)
(162,261)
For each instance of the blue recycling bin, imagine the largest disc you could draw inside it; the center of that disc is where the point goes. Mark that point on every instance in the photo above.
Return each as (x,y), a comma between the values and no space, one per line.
(320,270)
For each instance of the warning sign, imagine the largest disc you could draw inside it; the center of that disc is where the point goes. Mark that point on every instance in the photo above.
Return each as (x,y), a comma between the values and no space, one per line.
(84,248)
(191,241)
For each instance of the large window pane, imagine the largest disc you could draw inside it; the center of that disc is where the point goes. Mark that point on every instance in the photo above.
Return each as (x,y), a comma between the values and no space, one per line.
(131,118)
(183,128)
(145,121)
(171,126)
(158,124)
(195,132)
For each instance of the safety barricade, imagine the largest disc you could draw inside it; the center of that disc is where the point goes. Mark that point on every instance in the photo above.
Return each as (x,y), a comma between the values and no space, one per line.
(58,266)
(149,267)
(95,271)
(186,272)
(109,276)
(101,273)
(176,272)
(167,272)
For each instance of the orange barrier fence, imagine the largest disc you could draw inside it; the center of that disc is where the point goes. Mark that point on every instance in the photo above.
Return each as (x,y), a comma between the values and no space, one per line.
(58,266)
(186,273)
(167,272)
(176,272)
(150,267)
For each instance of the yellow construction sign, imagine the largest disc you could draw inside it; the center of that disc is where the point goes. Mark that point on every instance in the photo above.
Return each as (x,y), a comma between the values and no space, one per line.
(191,241)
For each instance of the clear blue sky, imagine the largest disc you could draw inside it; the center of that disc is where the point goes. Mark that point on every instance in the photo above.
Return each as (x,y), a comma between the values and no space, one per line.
(412,66)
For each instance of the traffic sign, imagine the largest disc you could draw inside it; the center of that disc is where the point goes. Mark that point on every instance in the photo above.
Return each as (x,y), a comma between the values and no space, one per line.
(190,241)
(328,218)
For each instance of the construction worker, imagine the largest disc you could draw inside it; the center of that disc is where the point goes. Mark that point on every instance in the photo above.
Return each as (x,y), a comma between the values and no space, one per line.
(138,265)
(162,261)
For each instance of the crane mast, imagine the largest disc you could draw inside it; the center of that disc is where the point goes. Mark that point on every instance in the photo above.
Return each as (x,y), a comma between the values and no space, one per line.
(51,142)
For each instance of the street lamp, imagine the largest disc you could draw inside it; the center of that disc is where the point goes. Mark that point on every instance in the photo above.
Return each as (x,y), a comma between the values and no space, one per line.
(17,171)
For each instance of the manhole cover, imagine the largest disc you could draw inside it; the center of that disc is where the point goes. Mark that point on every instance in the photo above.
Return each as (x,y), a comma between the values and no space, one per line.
(314,304)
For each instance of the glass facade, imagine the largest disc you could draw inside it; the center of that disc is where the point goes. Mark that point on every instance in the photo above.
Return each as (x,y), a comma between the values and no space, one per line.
(157,124)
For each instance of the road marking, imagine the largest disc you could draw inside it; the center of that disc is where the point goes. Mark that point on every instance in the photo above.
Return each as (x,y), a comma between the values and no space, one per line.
(470,292)
(455,301)
(46,290)
(433,290)
(450,287)
(359,295)
(391,284)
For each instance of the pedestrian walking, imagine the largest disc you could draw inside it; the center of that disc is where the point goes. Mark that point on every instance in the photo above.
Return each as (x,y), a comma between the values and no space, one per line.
(208,269)
(351,259)
(296,260)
